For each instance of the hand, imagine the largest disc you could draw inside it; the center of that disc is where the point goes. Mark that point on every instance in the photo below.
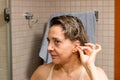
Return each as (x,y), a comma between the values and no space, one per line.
(88,53)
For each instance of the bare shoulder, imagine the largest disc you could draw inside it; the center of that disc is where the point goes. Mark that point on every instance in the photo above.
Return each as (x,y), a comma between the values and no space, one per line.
(42,72)
(102,73)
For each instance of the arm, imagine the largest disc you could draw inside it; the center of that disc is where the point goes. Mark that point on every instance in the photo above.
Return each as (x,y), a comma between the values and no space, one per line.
(88,60)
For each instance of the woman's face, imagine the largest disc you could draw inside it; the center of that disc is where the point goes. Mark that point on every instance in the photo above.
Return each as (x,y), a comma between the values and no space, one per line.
(59,47)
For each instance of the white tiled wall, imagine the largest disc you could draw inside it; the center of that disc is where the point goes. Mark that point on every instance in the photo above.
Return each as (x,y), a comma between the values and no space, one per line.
(26,41)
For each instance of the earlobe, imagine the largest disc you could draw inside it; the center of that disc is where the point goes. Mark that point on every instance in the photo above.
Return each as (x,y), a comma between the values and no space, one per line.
(76,44)
(74,49)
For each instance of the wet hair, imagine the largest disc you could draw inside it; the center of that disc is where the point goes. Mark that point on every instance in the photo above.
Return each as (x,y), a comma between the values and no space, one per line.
(72,27)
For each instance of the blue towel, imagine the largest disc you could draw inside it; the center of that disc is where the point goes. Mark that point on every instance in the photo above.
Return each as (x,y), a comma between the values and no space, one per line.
(89,21)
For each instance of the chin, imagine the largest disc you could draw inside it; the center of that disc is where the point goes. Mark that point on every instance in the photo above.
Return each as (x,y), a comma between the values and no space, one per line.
(56,62)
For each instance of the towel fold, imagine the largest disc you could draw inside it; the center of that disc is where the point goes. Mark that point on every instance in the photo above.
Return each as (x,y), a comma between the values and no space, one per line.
(89,21)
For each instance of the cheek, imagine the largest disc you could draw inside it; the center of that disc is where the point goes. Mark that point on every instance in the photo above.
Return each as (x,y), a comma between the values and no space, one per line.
(65,50)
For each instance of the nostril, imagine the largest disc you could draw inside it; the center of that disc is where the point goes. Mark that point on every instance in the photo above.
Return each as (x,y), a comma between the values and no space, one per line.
(50,48)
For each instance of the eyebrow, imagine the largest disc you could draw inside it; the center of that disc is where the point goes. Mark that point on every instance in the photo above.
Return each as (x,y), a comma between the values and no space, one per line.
(54,38)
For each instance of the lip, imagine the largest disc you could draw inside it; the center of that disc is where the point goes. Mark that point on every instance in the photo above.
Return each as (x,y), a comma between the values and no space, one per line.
(53,56)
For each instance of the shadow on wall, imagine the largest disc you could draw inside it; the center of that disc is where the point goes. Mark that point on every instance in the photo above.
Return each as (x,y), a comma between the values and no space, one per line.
(3,30)
(2,22)
(35,59)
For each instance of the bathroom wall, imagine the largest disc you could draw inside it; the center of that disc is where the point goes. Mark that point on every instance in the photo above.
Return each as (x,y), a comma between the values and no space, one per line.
(26,41)
(4,57)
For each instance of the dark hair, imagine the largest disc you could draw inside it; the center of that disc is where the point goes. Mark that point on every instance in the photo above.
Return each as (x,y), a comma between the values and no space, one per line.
(72,27)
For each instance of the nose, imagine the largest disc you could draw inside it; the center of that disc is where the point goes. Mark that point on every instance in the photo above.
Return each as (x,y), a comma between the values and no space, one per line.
(50,47)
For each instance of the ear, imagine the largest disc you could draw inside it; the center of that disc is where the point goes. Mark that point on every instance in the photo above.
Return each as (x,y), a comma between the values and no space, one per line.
(75,43)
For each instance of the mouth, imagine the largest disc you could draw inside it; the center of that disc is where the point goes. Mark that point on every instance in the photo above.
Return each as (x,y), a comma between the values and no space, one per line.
(53,56)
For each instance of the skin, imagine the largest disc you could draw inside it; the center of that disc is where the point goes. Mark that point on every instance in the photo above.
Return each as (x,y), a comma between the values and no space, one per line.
(59,45)
(64,53)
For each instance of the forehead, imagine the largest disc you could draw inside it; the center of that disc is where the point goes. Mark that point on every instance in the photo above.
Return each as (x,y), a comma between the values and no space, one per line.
(56,31)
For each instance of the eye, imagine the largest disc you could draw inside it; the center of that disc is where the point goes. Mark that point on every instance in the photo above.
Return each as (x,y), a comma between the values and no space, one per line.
(56,41)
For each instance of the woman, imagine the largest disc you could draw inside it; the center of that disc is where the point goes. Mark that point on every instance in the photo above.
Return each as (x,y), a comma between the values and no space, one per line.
(73,58)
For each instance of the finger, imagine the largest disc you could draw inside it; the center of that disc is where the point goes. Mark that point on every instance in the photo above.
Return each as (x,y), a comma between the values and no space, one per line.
(80,50)
(95,47)
(98,47)
(87,50)
(91,45)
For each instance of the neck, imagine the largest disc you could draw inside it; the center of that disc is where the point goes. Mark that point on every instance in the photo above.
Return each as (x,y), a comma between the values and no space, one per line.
(71,66)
